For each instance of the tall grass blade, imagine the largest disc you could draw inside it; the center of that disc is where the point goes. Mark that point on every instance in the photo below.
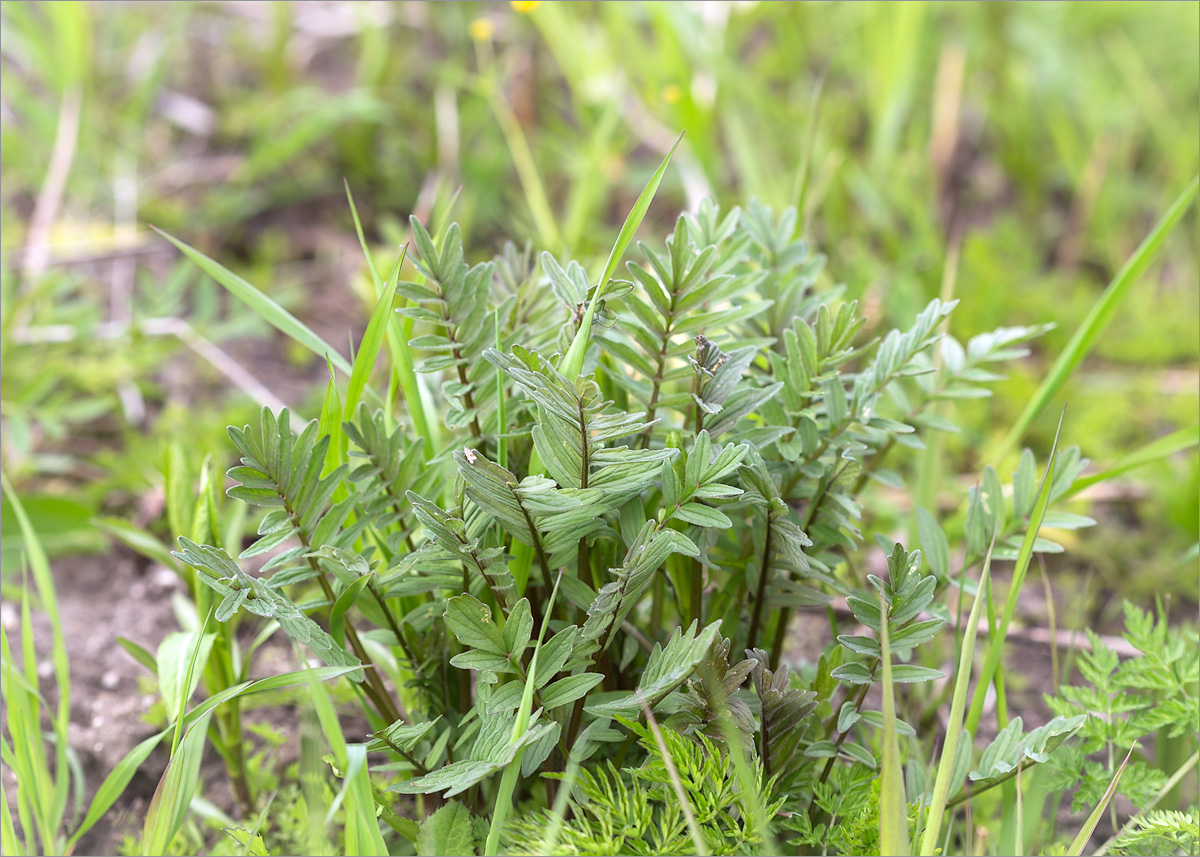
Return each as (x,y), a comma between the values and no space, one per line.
(572,364)
(1170,784)
(996,643)
(8,831)
(531,182)
(1081,839)
(402,359)
(169,806)
(1100,315)
(893,806)
(508,780)
(954,731)
(52,789)
(363,836)
(114,785)
(368,349)
(689,813)
(1163,447)
(269,310)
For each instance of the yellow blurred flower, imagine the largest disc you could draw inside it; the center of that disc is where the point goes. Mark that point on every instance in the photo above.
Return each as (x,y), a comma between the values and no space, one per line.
(525,6)
(671,94)
(481,29)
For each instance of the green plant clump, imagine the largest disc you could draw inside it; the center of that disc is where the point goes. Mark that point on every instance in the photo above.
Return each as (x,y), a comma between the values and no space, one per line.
(565,611)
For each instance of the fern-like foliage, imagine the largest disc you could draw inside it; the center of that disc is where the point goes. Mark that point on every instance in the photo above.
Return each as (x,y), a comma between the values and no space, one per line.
(684,291)
(239,590)
(454,299)
(699,481)
(636,811)
(576,430)
(452,536)
(615,601)
(783,721)
(711,699)
(1160,832)
(1124,703)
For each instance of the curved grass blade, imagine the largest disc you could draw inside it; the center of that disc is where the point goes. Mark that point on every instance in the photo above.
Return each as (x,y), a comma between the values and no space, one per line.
(1100,315)
(54,794)
(368,349)
(1146,808)
(996,643)
(114,785)
(572,364)
(169,806)
(402,359)
(508,780)
(1176,441)
(269,310)
(1081,840)
(954,731)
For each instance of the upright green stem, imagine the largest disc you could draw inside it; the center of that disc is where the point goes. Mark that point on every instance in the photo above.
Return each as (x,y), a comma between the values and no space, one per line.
(761,590)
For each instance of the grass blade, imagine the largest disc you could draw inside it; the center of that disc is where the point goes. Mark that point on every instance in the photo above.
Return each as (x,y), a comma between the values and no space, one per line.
(362,828)
(53,789)
(269,310)
(368,349)
(962,680)
(893,807)
(1100,315)
(1081,840)
(1173,781)
(508,780)
(572,364)
(688,813)
(114,785)
(362,238)
(1163,447)
(996,643)
(169,806)
(402,359)
(8,831)
(531,182)
(275,682)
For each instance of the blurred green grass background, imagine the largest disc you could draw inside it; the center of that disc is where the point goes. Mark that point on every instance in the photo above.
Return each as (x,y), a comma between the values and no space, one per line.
(1023,148)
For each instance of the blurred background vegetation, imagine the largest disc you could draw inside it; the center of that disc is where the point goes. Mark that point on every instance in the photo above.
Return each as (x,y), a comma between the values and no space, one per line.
(1013,153)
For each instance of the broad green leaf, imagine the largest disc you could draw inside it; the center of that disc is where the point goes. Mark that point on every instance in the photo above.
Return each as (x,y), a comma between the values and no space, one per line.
(703,516)
(470,620)
(174,659)
(569,689)
(447,832)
